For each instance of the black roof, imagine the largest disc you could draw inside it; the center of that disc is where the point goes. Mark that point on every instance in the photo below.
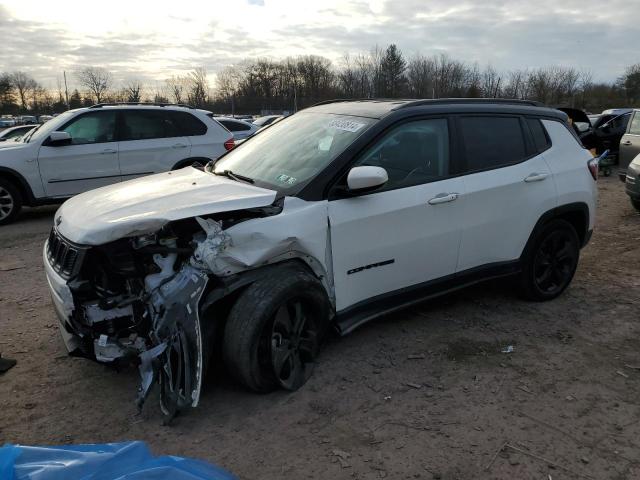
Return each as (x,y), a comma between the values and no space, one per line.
(378,108)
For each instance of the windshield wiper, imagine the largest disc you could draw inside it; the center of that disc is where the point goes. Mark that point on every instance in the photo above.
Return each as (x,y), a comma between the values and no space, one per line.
(234,176)
(29,134)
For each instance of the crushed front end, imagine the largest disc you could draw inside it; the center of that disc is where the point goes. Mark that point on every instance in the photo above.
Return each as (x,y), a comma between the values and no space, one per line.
(137,301)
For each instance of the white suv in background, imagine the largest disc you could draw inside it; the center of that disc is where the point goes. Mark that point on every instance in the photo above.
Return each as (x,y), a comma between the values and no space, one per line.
(88,148)
(336,215)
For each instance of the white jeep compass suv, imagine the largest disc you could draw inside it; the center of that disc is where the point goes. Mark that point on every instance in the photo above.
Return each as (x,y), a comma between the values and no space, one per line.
(87,148)
(336,215)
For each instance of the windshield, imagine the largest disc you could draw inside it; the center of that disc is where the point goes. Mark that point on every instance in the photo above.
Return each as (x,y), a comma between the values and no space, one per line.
(52,125)
(290,153)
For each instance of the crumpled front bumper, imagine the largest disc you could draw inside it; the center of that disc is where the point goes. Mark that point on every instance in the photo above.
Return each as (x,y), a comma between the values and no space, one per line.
(62,300)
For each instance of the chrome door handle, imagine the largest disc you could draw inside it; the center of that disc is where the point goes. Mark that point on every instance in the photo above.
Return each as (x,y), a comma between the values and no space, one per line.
(536,177)
(443,198)
(627,142)
(108,151)
(179,145)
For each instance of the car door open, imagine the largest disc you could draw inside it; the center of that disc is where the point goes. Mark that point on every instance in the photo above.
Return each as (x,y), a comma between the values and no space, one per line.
(405,233)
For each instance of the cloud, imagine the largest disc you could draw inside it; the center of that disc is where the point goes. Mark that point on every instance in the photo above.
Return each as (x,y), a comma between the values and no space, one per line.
(152,45)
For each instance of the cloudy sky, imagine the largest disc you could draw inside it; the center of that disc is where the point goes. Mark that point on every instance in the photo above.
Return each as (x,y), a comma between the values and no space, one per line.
(154,40)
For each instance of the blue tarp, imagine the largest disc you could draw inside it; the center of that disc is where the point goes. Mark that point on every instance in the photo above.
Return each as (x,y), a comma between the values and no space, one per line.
(108,461)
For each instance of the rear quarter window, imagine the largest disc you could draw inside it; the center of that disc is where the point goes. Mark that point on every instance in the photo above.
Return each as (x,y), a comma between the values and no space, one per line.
(540,136)
(188,124)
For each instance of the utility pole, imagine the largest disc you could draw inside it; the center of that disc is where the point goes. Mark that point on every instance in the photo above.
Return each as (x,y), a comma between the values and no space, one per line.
(66,90)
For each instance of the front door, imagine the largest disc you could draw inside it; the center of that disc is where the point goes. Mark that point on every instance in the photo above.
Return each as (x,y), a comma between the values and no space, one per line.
(90,161)
(407,232)
(630,142)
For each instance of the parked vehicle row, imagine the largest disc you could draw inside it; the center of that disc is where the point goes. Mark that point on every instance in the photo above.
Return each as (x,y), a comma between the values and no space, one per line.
(14,133)
(11,121)
(331,217)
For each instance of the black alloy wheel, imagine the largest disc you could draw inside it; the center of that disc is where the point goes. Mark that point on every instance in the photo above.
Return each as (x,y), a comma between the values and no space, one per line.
(555,262)
(293,344)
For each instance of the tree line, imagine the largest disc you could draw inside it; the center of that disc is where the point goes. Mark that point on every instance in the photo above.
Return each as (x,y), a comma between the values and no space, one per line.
(296,82)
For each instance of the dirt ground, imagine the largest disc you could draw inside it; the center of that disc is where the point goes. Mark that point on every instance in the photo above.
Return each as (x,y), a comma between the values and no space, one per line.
(424,393)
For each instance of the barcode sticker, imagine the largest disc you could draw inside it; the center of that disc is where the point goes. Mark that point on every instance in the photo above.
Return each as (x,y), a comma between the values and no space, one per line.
(346,125)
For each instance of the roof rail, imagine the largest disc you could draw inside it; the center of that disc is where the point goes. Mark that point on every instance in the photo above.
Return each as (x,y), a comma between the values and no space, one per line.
(153,104)
(440,101)
(338,100)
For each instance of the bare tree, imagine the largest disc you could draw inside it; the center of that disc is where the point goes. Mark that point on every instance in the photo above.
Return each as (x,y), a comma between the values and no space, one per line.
(198,87)
(24,85)
(177,86)
(227,83)
(97,80)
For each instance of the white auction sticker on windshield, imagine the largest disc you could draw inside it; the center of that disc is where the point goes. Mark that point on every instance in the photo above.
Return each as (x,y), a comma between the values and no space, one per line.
(346,125)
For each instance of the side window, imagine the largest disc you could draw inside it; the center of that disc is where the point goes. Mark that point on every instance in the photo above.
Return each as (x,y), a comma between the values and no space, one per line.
(539,134)
(411,153)
(94,127)
(231,126)
(188,125)
(620,123)
(634,128)
(146,124)
(235,126)
(492,142)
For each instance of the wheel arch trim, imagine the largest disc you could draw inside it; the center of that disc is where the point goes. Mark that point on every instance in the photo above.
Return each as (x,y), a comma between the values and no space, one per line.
(21,183)
(570,212)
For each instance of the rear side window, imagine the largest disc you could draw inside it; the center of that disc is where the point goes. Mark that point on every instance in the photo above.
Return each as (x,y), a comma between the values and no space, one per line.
(492,142)
(146,125)
(539,134)
(188,124)
(235,126)
(634,128)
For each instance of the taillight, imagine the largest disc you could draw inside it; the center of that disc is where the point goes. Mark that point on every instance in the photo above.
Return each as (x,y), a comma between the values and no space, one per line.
(593,168)
(229,144)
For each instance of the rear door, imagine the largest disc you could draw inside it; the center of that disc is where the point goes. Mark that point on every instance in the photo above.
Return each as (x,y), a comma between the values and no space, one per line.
(150,142)
(508,186)
(630,142)
(90,161)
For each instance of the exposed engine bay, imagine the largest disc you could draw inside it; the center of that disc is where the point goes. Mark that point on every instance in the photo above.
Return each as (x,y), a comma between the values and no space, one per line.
(138,301)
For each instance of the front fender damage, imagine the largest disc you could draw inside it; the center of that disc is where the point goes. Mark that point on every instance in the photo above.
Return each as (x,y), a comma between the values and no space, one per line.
(141,300)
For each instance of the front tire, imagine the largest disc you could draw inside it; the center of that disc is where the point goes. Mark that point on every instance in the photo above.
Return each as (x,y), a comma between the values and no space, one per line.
(550,265)
(273,332)
(10,202)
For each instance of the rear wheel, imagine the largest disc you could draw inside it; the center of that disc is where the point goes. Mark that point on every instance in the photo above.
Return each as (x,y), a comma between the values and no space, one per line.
(551,263)
(10,202)
(274,330)
(636,204)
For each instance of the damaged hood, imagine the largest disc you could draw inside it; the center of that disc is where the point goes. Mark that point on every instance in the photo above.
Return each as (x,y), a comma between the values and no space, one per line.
(145,204)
